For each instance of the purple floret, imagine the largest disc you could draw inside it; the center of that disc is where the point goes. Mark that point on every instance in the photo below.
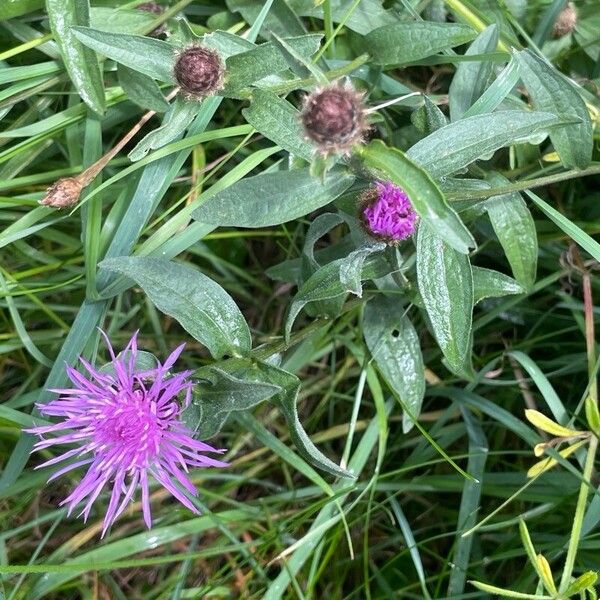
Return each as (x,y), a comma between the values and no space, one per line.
(125,427)
(390,215)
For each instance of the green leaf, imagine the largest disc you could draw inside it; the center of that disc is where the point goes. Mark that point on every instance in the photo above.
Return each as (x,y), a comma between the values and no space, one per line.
(407,42)
(287,402)
(16,8)
(120,20)
(221,391)
(81,63)
(577,234)
(272,198)
(428,117)
(146,55)
(528,545)
(425,196)
(226,44)
(515,229)
(365,16)
(549,394)
(492,284)
(141,89)
(326,283)
(267,59)
(202,307)
(394,344)
(592,415)
(278,121)
(497,92)
(144,361)
(446,285)
(583,582)
(300,65)
(281,19)
(351,268)
(471,78)
(181,113)
(550,91)
(457,145)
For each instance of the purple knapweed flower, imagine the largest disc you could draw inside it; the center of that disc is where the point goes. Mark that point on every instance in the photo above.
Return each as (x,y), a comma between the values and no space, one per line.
(387,212)
(125,426)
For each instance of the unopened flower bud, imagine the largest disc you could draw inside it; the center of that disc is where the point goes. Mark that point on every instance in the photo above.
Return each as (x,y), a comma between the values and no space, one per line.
(155,9)
(334,118)
(387,213)
(566,21)
(64,193)
(199,72)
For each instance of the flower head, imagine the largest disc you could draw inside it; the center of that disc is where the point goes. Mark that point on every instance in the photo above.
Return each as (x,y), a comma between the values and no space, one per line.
(387,213)
(64,193)
(334,118)
(566,21)
(125,426)
(199,72)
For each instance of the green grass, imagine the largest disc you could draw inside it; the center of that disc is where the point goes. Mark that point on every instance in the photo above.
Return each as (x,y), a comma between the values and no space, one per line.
(274,525)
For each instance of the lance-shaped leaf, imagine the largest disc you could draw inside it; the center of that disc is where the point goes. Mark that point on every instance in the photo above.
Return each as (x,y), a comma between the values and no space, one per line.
(202,307)
(552,92)
(272,198)
(446,286)
(515,229)
(16,8)
(471,77)
(278,121)
(488,283)
(287,402)
(141,89)
(426,197)
(146,55)
(541,421)
(81,62)
(181,113)
(221,391)
(120,20)
(394,344)
(266,59)
(326,282)
(457,145)
(407,42)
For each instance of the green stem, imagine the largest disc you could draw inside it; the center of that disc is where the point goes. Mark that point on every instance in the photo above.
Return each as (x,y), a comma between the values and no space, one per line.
(38,41)
(467,15)
(579,514)
(525,184)
(341,24)
(329,35)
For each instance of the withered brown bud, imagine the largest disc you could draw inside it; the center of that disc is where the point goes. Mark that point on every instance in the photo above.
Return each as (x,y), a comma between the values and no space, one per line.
(334,118)
(566,21)
(199,72)
(156,9)
(64,193)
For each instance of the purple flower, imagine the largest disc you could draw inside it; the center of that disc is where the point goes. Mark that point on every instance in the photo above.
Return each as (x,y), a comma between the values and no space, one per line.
(125,426)
(387,212)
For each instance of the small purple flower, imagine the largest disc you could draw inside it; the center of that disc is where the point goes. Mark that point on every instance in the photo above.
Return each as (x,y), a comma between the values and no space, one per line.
(387,212)
(125,427)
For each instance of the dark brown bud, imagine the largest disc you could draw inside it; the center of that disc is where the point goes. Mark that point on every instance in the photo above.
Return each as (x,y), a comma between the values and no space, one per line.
(566,21)
(64,193)
(334,118)
(156,9)
(199,72)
